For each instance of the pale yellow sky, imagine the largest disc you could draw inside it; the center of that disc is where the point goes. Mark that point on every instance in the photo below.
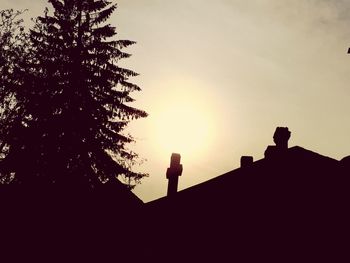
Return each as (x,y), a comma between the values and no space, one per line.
(247,67)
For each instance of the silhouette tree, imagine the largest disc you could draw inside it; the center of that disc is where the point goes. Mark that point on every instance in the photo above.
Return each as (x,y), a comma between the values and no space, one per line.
(14,47)
(74,101)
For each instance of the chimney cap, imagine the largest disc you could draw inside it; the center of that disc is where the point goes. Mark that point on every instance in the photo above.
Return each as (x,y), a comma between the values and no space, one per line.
(175,159)
(281,137)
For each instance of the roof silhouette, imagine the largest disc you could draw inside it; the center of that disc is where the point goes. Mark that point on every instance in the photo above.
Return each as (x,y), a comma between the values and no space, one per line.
(297,165)
(289,206)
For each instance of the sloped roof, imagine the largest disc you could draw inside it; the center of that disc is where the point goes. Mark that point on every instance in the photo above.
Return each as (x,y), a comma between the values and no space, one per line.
(276,209)
(297,164)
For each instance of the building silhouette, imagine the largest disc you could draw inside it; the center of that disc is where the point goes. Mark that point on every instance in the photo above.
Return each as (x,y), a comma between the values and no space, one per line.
(290,206)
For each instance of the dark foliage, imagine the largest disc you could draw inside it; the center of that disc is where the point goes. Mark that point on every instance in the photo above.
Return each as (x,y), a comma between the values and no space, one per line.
(73,101)
(13,52)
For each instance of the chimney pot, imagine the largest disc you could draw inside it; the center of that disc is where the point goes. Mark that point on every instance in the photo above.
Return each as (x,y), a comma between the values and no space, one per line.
(281,137)
(246,161)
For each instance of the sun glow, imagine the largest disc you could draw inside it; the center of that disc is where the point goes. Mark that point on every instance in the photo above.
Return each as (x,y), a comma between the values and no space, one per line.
(185,126)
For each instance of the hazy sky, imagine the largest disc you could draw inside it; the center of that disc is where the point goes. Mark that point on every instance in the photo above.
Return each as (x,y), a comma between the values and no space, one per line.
(233,70)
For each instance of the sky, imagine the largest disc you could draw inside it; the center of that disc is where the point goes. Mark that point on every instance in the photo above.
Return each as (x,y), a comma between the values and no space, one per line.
(218,77)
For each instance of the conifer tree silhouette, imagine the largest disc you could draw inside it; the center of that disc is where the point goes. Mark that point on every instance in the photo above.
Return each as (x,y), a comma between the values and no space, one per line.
(75,101)
(14,47)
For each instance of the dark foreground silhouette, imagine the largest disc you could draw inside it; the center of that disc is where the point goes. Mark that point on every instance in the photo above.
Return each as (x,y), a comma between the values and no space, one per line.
(291,206)
(61,224)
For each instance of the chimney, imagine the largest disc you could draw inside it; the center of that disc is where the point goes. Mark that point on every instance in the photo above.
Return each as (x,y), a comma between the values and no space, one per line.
(246,161)
(280,137)
(173,173)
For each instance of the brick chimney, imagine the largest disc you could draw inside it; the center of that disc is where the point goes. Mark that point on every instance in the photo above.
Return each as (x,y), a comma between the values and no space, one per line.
(173,173)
